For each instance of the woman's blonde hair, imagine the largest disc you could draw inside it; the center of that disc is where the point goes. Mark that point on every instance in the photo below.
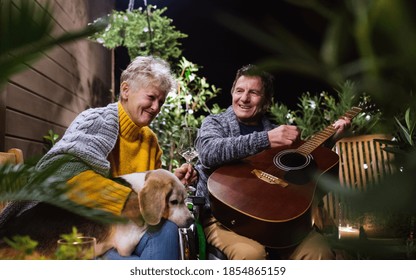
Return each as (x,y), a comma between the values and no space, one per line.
(144,71)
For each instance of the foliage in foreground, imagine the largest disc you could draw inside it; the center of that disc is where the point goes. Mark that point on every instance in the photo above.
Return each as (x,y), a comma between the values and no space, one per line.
(24,248)
(24,182)
(26,32)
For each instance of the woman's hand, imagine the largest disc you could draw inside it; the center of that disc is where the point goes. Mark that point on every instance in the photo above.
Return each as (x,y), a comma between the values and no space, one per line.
(186,174)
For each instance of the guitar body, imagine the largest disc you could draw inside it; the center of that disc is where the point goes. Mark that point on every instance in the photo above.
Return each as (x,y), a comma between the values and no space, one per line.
(275,215)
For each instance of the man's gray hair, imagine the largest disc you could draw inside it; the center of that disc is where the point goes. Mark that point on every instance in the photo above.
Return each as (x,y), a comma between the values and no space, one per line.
(145,71)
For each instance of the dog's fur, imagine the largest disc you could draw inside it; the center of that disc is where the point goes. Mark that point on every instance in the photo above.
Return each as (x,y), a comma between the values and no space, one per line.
(157,195)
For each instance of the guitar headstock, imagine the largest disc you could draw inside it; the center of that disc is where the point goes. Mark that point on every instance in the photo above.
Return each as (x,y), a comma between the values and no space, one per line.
(368,107)
(353,112)
(364,107)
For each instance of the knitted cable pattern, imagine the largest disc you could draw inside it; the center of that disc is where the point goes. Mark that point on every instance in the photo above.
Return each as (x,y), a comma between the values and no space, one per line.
(90,137)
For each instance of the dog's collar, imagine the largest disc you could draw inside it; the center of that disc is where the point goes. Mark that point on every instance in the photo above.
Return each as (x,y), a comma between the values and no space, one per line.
(121,181)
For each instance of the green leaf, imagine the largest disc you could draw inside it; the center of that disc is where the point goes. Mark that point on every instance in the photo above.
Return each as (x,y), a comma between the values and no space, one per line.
(26,33)
(24,182)
(404,132)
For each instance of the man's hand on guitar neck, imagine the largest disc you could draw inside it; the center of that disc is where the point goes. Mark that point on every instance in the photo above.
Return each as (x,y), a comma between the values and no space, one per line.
(287,135)
(341,126)
(283,135)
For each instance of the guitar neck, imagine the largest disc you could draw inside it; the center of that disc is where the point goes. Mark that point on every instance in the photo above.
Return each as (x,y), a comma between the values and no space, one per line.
(318,139)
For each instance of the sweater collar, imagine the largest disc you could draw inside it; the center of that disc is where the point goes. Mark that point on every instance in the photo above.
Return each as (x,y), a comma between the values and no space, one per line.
(234,124)
(128,129)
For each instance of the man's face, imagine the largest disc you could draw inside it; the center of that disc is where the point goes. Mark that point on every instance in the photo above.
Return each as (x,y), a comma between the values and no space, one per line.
(247,99)
(142,105)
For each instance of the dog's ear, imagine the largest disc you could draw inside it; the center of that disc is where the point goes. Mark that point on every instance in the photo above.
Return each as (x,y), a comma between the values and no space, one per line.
(153,199)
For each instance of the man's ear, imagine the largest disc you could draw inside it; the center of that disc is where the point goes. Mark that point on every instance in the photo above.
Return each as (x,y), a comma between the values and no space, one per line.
(124,90)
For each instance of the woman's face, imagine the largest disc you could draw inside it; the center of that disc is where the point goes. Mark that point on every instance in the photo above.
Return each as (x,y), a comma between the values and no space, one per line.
(248,99)
(142,105)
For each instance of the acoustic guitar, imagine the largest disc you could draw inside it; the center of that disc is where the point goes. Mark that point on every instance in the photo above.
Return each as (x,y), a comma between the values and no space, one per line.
(268,196)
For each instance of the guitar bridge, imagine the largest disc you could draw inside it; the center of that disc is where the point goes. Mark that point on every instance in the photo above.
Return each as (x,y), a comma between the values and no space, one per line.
(269,178)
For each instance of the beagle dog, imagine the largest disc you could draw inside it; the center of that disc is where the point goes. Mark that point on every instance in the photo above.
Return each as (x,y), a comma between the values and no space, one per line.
(156,195)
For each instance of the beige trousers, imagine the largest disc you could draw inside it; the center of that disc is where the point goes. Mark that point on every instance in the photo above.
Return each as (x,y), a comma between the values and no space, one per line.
(237,247)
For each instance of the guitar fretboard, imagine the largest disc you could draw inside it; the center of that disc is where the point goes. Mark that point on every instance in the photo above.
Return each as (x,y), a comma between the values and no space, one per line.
(318,139)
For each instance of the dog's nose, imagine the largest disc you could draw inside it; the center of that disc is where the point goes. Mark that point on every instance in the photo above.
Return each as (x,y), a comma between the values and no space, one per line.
(190,221)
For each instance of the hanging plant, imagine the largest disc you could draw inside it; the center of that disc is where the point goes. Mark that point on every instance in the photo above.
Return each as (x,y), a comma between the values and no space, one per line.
(142,32)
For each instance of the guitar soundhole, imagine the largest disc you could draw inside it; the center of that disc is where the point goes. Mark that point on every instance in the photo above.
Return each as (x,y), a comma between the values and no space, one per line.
(291,160)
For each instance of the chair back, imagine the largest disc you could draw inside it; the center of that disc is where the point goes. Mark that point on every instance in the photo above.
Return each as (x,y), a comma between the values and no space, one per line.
(362,161)
(14,156)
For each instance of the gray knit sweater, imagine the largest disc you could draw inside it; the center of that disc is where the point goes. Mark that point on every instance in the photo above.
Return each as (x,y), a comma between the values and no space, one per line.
(90,138)
(220,141)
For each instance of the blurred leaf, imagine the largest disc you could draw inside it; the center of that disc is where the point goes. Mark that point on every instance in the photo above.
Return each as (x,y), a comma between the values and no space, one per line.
(24,245)
(23,182)
(361,43)
(25,32)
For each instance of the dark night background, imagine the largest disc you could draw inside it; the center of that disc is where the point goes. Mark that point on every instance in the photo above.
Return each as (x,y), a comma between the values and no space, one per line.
(220,52)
